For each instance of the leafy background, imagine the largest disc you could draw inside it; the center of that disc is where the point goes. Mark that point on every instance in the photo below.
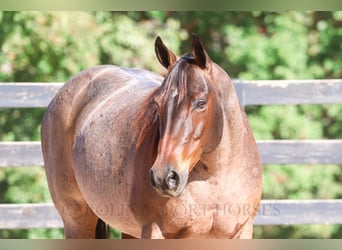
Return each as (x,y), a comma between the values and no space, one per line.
(53,46)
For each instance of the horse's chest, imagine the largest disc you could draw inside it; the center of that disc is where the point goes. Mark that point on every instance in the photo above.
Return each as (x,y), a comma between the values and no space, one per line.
(205,216)
(184,220)
(193,220)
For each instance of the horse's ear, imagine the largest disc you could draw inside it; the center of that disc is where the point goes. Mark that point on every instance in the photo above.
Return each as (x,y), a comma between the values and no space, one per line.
(201,57)
(164,55)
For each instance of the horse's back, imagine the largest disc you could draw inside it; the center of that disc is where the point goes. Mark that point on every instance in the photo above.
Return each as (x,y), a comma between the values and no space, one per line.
(93,85)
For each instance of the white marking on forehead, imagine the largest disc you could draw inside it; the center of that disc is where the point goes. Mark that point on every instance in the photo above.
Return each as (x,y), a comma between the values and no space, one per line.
(174,93)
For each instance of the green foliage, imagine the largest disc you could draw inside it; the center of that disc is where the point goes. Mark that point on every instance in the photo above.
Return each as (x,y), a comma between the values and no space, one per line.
(298,232)
(28,119)
(53,46)
(280,126)
(302,182)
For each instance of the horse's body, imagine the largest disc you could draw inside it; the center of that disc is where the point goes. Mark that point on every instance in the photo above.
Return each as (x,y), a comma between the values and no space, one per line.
(112,152)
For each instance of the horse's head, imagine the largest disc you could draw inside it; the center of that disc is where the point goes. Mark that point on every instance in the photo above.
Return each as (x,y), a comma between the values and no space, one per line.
(190,117)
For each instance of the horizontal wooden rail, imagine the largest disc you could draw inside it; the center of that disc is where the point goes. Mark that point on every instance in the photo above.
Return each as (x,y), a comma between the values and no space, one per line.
(20,154)
(27,95)
(273,92)
(301,151)
(298,212)
(272,152)
(271,212)
(26,216)
(329,91)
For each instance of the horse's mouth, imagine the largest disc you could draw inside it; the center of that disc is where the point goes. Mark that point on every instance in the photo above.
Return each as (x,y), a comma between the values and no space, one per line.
(167,193)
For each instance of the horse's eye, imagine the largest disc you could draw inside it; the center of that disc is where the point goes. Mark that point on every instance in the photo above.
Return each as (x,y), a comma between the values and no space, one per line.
(200,104)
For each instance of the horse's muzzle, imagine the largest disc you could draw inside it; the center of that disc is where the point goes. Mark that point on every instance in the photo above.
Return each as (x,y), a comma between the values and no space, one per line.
(170,183)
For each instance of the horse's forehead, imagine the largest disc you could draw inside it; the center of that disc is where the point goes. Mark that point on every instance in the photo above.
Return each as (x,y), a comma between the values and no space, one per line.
(192,76)
(198,82)
(183,81)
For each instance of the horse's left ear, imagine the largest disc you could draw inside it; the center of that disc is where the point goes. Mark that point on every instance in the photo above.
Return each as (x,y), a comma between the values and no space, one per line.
(201,57)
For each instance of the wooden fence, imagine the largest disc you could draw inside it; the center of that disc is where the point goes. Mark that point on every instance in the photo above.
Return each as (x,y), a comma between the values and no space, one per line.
(271,212)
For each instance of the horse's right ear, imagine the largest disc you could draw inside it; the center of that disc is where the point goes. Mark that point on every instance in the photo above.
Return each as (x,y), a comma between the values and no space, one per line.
(164,55)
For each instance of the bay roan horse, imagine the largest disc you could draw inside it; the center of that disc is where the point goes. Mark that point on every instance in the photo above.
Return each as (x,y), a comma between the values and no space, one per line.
(152,157)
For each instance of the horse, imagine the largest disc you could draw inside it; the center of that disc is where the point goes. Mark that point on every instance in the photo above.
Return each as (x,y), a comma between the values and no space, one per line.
(154,157)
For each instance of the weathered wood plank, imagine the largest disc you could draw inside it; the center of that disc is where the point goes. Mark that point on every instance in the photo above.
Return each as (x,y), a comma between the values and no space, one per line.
(25,95)
(289,92)
(299,212)
(271,212)
(25,216)
(301,152)
(272,152)
(20,154)
(259,92)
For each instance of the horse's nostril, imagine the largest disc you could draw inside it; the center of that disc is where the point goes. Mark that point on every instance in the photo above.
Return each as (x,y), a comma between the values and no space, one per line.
(169,182)
(172,180)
